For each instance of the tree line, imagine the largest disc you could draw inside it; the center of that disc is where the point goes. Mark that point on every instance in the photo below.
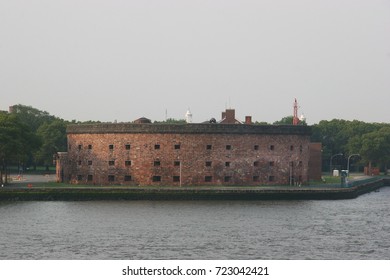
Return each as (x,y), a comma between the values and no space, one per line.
(30,137)
(366,144)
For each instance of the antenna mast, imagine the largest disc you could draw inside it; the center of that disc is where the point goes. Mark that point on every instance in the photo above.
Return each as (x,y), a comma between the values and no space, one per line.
(295,116)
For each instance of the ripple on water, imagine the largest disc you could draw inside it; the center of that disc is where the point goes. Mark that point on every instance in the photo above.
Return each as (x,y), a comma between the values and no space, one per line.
(342,229)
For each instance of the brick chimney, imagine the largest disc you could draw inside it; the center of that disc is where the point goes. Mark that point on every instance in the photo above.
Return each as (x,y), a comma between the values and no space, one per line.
(230,116)
(248,119)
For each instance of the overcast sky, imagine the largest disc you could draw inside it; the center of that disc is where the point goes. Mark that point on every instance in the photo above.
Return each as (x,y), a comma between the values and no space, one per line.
(123,59)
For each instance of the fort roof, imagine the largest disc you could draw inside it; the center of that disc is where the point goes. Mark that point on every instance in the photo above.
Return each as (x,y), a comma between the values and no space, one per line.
(200,128)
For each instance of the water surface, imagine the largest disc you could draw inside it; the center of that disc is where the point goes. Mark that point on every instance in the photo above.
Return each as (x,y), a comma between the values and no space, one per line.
(308,229)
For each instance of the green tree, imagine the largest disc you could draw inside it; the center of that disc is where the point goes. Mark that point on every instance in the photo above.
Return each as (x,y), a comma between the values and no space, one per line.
(285,121)
(332,136)
(340,136)
(46,127)
(172,121)
(288,121)
(261,123)
(31,117)
(375,147)
(53,137)
(17,141)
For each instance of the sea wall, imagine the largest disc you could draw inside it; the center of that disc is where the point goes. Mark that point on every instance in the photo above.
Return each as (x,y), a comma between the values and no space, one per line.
(191,193)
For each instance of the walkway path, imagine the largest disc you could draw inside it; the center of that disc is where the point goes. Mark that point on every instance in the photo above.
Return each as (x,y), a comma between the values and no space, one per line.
(24,180)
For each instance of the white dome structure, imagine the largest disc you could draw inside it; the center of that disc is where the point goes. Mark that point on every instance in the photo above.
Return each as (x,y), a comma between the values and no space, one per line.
(188,116)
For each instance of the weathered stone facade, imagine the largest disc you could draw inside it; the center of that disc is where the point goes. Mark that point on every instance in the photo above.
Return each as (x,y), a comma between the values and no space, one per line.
(315,161)
(185,154)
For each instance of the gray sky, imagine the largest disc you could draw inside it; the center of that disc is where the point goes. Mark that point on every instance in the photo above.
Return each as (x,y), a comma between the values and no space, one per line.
(122,59)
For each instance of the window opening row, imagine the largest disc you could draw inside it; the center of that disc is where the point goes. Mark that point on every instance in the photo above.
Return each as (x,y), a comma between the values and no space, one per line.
(110,178)
(110,147)
(207,179)
(110,162)
(177,163)
(178,146)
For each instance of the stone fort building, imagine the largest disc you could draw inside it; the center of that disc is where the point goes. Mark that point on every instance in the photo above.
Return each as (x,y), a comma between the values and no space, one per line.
(146,154)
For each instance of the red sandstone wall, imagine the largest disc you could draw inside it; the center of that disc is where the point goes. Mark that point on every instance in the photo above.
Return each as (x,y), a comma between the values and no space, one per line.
(315,161)
(276,156)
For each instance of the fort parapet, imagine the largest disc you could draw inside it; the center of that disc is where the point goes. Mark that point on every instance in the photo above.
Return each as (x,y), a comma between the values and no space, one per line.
(188,129)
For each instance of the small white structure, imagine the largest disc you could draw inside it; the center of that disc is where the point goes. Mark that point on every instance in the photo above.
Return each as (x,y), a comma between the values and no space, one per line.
(188,116)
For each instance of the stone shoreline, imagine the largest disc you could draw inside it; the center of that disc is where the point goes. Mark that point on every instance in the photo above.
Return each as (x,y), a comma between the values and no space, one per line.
(76,193)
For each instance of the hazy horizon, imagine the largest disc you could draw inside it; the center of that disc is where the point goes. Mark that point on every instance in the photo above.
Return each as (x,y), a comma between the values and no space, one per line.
(126,59)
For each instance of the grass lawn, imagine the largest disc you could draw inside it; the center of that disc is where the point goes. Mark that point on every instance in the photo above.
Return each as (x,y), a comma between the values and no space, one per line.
(327,180)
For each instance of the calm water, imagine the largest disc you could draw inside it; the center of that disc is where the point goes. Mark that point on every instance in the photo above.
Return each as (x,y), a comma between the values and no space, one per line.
(344,229)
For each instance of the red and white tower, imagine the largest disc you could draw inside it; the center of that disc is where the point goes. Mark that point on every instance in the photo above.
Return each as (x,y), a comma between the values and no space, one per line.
(295,116)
